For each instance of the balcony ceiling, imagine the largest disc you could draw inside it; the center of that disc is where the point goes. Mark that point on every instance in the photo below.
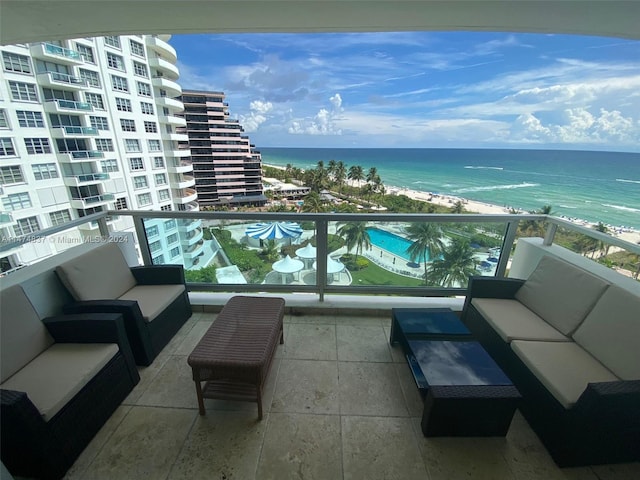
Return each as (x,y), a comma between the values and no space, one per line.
(30,21)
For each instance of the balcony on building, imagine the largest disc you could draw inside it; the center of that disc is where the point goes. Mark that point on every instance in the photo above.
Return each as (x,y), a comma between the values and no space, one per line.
(92,201)
(70,131)
(56,54)
(5,219)
(167,68)
(84,179)
(158,44)
(170,103)
(176,165)
(171,87)
(79,156)
(173,120)
(184,196)
(57,105)
(182,181)
(58,79)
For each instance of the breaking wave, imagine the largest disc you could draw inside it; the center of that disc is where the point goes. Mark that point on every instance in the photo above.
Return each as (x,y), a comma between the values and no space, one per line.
(483,168)
(627,181)
(496,187)
(621,207)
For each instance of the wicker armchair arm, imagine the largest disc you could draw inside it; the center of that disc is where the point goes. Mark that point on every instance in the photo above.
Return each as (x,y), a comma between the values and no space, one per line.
(159,275)
(22,423)
(610,400)
(490,287)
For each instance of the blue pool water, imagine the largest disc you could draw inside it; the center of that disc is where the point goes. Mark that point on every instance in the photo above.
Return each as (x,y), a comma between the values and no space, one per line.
(390,242)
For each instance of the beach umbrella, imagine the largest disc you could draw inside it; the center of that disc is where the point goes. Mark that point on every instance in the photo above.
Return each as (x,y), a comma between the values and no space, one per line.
(307,253)
(287,266)
(274,231)
(493,259)
(333,266)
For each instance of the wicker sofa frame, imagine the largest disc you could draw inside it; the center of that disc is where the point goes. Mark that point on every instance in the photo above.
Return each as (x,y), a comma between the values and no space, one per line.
(147,339)
(602,427)
(34,448)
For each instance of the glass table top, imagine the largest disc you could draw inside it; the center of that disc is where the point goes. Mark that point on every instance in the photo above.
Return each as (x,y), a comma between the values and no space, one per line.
(429,321)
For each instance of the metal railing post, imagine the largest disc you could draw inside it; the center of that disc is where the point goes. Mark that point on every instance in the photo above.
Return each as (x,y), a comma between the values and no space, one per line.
(550,234)
(138,223)
(507,245)
(322,244)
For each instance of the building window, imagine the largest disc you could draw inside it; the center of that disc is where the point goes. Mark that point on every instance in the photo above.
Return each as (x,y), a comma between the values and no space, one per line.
(140,69)
(170,224)
(104,144)
(23,92)
(173,238)
(45,171)
(127,125)
(140,182)
(37,146)
(11,174)
(137,48)
(152,231)
(16,63)
(25,226)
(132,145)
(100,123)
(121,203)
(160,178)
(119,84)
(60,217)
(144,199)
(166,208)
(92,78)
(123,104)
(151,127)
(109,166)
(164,195)
(155,146)
(4,123)
(115,61)
(112,41)
(174,252)
(17,201)
(147,108)
(6,147)
(155,246)
(136,163)
(158,162)
(28,119)
(159,260)
(95,100)
(86,53)
(144,89)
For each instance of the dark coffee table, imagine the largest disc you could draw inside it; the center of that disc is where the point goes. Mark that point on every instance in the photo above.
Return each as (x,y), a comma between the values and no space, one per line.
(465,392)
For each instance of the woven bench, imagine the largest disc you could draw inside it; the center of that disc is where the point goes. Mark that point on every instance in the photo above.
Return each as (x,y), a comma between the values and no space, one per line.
(234,356)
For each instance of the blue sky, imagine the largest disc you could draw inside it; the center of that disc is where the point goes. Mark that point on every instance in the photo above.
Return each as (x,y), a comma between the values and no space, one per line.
(422,89)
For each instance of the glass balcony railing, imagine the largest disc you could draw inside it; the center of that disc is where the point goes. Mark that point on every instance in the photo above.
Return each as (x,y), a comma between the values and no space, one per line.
(92,177)
(73,130)
(87,154)
(62,52)
(67,79)
(71,105)
(339,253)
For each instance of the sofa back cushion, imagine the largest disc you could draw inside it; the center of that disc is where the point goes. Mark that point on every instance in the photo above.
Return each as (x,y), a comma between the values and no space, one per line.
(23,336)
(561,293)
(611,332)
(100,274)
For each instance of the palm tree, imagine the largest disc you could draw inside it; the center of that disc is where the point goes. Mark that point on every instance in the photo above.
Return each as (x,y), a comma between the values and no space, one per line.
(340,174)
(602,228)
(372,174)
(355,235)
(458,207)
(313,203)
(331,168)
(356,173)
(455,266)
(427,242)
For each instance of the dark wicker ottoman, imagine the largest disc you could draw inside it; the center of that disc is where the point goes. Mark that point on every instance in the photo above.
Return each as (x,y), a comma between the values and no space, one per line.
(234,355)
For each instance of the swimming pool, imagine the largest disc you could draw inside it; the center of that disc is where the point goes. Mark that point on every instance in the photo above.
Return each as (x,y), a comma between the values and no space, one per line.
(390,242)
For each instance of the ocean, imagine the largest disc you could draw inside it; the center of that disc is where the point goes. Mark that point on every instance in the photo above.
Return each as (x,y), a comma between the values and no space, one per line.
(593,186)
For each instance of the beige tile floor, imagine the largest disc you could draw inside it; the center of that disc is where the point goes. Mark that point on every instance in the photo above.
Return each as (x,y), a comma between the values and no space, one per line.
(340,403)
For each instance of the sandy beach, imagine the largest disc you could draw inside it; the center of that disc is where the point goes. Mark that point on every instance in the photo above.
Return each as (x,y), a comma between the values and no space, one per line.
(626,234)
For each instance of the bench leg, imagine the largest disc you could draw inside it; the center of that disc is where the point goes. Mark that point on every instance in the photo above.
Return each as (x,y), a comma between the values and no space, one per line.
(200,399)
(259,402)
(281,336)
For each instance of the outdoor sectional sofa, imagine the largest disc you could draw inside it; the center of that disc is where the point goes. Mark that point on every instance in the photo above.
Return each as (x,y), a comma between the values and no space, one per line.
(153,300)
(61,379)
(570,342)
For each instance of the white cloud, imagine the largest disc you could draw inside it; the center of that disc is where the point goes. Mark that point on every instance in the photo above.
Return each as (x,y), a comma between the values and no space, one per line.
(256,116)
(322,123)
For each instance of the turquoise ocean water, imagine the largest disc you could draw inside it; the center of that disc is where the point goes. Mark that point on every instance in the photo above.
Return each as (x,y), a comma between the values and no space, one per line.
(594,186)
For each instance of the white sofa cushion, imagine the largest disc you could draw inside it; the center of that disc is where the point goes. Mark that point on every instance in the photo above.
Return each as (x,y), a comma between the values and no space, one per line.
(55,376)
(611,332)
(100,274)
(564,368)
(153,299)
(561,293)
(513,321)
(23,336)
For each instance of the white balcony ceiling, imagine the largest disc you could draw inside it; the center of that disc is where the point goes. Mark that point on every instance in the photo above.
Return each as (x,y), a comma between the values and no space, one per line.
(29,21)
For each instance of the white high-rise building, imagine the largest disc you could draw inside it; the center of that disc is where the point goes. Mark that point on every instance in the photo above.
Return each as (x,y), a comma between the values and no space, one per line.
(88,125)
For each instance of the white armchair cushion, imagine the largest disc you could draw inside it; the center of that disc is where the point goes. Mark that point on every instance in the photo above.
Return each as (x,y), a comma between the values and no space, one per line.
(564,368)
(153,299)
(23,336)
(513,321)
(100,274)
(55,376)
(611,332)
(561,293)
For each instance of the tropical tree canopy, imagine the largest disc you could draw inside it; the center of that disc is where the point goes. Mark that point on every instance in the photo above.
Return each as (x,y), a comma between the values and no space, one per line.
(355,235)
(427,243)
(455,265)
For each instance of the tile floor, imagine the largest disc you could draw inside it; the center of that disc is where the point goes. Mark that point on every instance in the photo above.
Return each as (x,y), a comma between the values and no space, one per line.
(340,403)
